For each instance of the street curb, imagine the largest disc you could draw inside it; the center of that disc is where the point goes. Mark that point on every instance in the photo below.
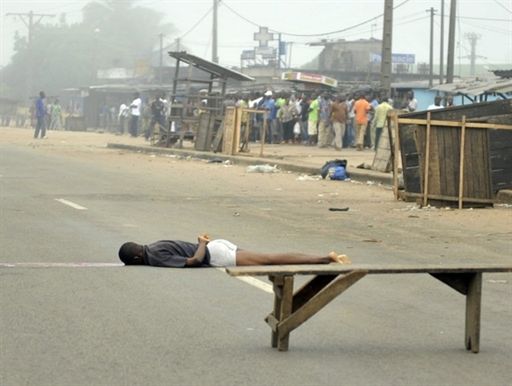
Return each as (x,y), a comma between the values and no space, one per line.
(504,196)
(361,175)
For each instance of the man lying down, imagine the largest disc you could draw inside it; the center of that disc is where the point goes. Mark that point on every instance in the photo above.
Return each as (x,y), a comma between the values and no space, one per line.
(213,253)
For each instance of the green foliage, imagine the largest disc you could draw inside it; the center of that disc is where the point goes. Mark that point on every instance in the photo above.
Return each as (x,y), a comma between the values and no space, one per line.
(113,33)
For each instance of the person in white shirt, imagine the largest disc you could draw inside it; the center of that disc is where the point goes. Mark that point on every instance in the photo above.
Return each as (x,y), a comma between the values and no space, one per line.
(437,104)
(135,108)
(123,114)
(412,104)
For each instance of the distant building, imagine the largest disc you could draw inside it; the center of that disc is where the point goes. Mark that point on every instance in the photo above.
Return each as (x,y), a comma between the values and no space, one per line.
(348,56)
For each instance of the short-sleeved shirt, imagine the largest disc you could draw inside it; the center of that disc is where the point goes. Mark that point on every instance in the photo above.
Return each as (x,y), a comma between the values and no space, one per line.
(313,110)
(171,253)
(270,105)
(40,108)
(361,108)
(339,112)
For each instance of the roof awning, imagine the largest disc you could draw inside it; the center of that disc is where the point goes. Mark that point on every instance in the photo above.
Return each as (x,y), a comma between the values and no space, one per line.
(477,87)
(212,68)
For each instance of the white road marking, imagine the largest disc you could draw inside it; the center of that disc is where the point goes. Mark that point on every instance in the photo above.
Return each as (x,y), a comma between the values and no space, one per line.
(60,265)
(254,282)
(247,279)
(71,204)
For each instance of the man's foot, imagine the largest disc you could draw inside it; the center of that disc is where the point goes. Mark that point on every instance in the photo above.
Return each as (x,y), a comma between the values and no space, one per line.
(339,259)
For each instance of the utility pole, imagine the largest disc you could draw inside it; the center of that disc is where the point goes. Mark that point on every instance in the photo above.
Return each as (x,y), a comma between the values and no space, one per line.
(215,57)
(451,42)
(472,37)
(30,23)
(161,63)
(431,60)
(386,56)
(441,53)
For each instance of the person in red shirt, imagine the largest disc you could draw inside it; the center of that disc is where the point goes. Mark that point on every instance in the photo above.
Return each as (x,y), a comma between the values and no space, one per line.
(361,108)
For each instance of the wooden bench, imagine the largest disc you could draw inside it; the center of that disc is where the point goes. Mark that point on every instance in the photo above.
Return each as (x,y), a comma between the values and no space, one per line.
(330,280)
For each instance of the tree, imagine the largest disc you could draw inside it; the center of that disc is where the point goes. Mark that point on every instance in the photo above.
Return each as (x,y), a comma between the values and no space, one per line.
(113,33)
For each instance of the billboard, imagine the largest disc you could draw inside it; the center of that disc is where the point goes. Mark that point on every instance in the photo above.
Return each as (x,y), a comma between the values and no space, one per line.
(395,58)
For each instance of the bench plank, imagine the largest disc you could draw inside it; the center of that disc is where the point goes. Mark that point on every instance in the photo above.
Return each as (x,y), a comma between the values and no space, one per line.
(330,269)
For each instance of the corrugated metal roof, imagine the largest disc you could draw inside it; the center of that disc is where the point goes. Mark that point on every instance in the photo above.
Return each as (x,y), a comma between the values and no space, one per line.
(213,68)
(477,87)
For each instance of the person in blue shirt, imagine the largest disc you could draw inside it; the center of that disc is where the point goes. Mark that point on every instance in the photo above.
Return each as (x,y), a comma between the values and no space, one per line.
(269,104)
(41,113)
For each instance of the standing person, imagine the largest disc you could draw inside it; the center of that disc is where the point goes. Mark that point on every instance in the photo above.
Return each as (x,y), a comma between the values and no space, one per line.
(313,121)
(124,112)
(324,123)
(304,114)
(339,117)
(257,120)
(280,102)
(361,108)
(287,114)
(412,102)
(157,116)
(449,101)
(269,105)
(56,116)
(437,103)
(41,113)
(369,139)
(135,109)
(379,120)
(214,253)
(349,132)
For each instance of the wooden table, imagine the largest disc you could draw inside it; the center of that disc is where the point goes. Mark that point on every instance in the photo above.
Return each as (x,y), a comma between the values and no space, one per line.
(330,280)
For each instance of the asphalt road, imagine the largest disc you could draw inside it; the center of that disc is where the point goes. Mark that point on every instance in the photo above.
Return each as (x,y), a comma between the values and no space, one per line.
(82,323)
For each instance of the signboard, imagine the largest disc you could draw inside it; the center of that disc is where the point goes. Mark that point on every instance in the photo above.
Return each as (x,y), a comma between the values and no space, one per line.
(395,58)
(309,78)
(263,36)
(248,55)
(266,52)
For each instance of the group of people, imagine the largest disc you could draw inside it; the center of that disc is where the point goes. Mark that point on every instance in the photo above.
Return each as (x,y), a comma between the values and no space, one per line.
(322,119)
(48,115)
(137,115)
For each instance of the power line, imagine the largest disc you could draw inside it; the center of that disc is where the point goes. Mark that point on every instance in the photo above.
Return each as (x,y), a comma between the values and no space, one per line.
(311,35)
(197,23)
(502,6)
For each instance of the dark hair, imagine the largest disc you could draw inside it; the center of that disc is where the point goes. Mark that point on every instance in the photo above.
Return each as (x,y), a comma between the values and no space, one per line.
(129,253)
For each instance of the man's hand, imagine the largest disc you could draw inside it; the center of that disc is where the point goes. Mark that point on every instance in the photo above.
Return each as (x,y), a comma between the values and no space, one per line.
(204,238)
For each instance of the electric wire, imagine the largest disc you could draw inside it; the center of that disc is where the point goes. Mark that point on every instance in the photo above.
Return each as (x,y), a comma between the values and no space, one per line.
(311,35)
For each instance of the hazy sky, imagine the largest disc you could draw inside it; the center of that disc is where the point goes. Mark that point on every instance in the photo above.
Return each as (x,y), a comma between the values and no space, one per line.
(491,20)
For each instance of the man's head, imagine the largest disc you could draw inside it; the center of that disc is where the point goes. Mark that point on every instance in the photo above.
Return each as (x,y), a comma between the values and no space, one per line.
(131,253)
(42,94)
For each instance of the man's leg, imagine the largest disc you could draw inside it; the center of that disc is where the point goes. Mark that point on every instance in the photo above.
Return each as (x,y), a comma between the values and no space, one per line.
(254,258)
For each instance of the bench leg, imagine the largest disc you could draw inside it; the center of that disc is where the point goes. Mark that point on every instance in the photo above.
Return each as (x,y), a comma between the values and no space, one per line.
(473,310)
(283,298)
(286,310)
(277,282)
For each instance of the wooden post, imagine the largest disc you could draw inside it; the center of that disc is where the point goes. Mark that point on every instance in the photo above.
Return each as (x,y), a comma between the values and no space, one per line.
(277,282)
(473,307)
(263,134)
(285,311)
(396,147)
(427,160)
(461,163)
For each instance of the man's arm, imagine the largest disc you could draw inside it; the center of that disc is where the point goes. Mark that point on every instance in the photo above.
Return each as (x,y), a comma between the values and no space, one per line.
(200,254)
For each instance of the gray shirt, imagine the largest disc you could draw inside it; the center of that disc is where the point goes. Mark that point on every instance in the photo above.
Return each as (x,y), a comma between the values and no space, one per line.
(171,253)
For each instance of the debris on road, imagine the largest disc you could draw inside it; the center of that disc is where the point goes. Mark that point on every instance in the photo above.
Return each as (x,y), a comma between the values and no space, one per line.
(262,169)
